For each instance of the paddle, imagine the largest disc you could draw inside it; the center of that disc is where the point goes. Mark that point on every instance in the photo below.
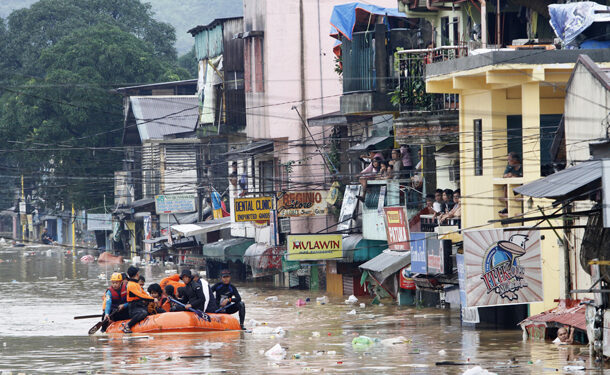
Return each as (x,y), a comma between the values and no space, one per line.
(99,324)
(224,308)
(200,313)
(87,316)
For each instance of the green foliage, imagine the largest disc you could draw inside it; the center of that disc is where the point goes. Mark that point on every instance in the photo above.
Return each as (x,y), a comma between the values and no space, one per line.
(60,119)
(188,61)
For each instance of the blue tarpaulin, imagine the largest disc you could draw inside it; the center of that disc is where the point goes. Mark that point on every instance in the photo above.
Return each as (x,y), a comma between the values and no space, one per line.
(570,20)
(345,16)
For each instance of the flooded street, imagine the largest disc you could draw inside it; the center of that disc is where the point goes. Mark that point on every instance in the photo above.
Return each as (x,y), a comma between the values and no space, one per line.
(43,289)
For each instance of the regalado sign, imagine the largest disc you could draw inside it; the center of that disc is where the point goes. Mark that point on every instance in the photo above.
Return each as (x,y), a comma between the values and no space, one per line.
(301,203)
(252,209)
(315,247)
(502,267)
(396,227)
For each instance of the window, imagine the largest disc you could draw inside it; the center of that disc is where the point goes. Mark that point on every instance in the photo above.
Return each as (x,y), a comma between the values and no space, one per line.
(445,32)
(456,34)
(266,176)
(478,147)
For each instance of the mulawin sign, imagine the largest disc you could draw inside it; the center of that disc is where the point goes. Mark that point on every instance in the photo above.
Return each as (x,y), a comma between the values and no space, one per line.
(503,267)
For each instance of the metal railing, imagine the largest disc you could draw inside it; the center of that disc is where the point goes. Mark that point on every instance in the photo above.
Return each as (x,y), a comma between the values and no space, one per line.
(411,66)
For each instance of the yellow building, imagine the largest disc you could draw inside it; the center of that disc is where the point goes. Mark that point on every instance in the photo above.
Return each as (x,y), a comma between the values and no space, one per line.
(509,101)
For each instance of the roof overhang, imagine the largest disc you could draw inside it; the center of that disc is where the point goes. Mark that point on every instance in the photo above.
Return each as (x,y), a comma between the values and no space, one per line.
(189,230)
(574,183)
(504,69)
(387,263)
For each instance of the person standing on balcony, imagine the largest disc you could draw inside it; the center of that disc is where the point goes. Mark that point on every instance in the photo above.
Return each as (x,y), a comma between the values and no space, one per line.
(397,167)
(407,162)
(514,168)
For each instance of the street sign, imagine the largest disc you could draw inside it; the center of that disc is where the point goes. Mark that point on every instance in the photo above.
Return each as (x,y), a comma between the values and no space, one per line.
(175,204)
(315,247)
(419,256)
(397,228)
(252,209)
(99,222)
(503,267)
(302,203)
(350,202)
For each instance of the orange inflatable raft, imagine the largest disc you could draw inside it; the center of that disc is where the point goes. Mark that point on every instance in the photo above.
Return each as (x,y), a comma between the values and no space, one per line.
(179,321)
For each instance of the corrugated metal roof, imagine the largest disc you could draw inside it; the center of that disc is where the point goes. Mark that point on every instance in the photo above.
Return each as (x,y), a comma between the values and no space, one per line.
(158,116)
(374,141)
(387,263)
(563,183)
(569,313)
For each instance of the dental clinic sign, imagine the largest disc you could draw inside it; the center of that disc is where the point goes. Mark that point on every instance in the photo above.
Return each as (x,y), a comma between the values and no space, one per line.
(502,267)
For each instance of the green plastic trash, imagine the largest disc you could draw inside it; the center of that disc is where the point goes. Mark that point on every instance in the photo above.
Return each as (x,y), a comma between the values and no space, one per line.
(362,342)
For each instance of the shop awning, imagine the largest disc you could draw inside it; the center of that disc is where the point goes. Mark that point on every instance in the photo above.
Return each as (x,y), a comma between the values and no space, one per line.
(188,230)
(156,240)
(263,259)
(570,182)
(227,250)
(356,249)
(254,148)
(387,263)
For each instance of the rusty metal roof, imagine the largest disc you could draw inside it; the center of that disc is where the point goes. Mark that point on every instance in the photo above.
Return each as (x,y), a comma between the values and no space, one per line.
(568,312)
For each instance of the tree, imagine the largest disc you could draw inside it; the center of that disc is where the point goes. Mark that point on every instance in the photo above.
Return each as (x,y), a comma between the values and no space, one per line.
(46,22)
(69,123)
(188,61)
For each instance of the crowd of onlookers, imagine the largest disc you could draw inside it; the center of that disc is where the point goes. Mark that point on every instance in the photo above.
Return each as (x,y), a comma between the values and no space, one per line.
(398,165)
(444,205)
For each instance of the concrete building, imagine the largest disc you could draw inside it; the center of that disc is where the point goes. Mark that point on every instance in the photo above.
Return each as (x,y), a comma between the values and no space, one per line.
(510,101)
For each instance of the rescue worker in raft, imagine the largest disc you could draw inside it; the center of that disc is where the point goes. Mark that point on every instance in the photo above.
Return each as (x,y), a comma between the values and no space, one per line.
(210,303)
(228,298)
(137,298)
(115,301)
(192,295)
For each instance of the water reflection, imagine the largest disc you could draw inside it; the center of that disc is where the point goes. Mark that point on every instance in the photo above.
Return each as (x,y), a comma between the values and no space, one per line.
(43,289)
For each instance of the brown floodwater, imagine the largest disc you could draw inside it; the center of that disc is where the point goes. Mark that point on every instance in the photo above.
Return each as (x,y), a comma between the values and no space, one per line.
(42,289)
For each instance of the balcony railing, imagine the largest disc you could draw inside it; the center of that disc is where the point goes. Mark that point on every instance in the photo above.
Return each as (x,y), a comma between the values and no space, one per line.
(411,91)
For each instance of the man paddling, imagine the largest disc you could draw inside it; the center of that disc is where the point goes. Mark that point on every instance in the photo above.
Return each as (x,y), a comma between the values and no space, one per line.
(193,292)
(228,298)
(115,301)
(137,298)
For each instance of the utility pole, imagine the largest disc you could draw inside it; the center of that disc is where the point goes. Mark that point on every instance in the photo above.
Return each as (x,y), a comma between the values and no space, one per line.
(23,226)
(73,230)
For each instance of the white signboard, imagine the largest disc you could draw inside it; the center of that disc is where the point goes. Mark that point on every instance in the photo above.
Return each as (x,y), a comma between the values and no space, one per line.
(175,204)
(503,267)
(99,222)
(350,202)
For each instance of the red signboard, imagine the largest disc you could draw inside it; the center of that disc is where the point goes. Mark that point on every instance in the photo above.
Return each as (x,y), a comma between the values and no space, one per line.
(406,281)
(396,226)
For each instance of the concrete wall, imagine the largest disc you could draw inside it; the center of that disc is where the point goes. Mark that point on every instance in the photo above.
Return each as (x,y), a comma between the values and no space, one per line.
(586,106)
(298,71)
